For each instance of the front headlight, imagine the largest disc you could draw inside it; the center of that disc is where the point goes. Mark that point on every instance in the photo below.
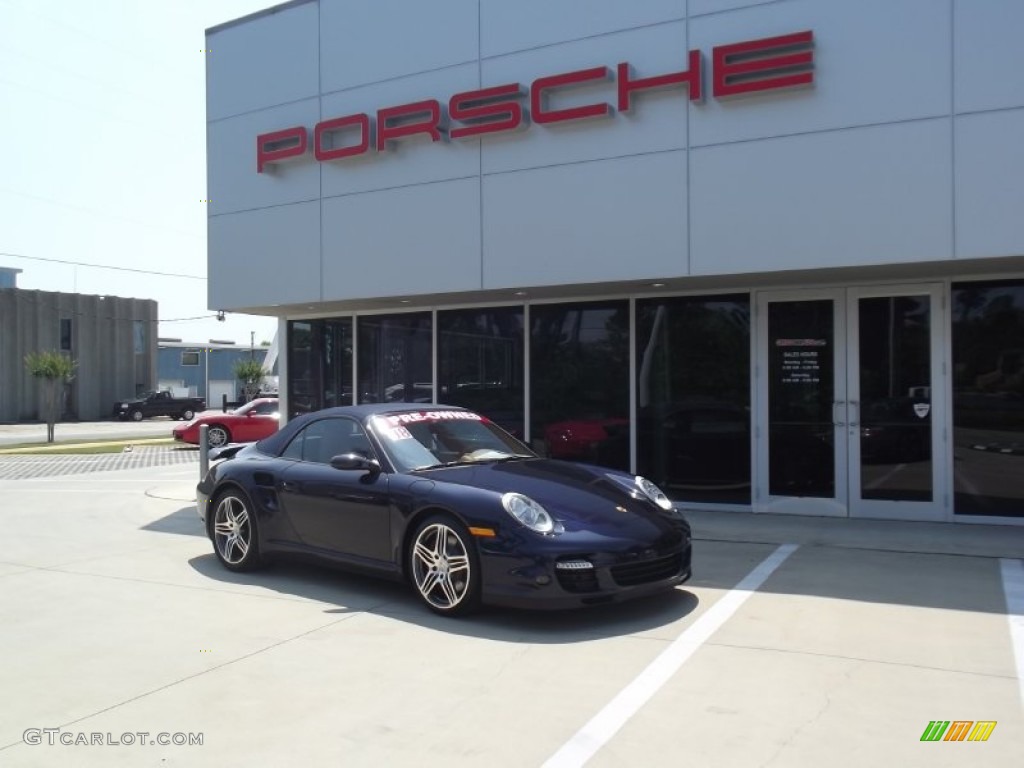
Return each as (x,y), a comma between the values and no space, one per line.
(528,512)
(124,405)
(653,492)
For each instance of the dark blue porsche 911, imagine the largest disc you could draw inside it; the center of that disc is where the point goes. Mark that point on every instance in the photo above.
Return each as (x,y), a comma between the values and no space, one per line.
(445,499)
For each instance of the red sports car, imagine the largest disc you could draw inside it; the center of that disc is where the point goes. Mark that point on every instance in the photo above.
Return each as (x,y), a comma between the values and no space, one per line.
(584,439)
(253,421)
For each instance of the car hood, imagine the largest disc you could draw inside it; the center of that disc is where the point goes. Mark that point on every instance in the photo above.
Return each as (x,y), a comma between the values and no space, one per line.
(577,495)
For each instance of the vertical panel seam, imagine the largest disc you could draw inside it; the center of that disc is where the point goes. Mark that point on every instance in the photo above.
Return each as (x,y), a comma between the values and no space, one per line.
(686,180)
(952,128)
(480,144)
(320,117)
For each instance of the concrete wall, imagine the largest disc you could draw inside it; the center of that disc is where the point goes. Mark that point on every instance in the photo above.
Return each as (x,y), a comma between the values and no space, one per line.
(103,342)
(906,149)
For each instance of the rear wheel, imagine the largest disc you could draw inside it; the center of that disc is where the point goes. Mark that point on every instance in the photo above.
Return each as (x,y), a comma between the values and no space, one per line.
(234,532)
(218,436)
(444,566)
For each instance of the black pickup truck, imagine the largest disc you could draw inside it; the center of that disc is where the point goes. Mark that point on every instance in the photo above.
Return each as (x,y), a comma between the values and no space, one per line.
(159,404)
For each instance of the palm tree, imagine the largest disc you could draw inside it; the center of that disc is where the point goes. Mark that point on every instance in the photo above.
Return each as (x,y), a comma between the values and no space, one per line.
(54,370)
(251,374)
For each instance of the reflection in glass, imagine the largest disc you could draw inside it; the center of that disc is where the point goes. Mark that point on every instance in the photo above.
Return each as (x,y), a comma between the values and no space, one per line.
(988,398)
(480,363)
(337,362)
(395,363)
(693,396)
(801,448)
(319,364)
(579,381)
(303,383)
(895,398)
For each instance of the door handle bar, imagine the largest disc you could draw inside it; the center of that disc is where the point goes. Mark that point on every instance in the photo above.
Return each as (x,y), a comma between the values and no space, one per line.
(838,416)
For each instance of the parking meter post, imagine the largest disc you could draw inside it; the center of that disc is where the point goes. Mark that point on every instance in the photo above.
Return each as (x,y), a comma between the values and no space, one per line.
(204,450)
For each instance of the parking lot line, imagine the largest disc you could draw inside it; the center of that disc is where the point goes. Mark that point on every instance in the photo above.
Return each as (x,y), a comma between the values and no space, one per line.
(616,713)
(1013,588)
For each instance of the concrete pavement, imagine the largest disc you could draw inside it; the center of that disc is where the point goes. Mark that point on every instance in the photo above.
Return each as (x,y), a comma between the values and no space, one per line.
(116,619)
(19,467)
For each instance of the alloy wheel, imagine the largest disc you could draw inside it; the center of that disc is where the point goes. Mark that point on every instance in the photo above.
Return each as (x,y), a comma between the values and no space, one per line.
(232,530)
(217,436)
(441,567)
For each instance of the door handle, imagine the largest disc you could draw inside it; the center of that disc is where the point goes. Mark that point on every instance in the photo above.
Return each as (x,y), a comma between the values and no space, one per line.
(838,416)
(856,417)
(290,487)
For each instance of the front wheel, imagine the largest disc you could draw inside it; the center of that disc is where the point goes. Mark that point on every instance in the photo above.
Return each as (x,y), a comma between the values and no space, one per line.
(234,532)
(136,415)
(444,567)
(218,436)
(188,414)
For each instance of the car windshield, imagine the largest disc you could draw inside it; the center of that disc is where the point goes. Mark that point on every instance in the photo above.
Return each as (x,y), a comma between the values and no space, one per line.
(258,408)
(431,439)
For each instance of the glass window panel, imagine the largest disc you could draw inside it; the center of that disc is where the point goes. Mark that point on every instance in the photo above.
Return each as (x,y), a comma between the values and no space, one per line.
(693,396)
(579,381)
(988,398)
(319,364)
(801,444)
(303,372)
(65,334)
(480,363)
(895,398)
(337,362)
(395,358)
(138,334)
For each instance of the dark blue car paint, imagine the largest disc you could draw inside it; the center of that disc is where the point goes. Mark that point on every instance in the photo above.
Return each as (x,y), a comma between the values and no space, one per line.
(600,515)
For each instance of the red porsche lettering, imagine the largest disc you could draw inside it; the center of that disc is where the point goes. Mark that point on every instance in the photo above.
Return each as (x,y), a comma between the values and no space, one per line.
(333,128)
(762,65)
(395,123)
(691,78)
(489,110)
(754,66)
(280,145)
(539,112)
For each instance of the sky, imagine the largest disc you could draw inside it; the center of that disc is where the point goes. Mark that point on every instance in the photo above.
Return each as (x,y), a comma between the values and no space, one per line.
(103,136)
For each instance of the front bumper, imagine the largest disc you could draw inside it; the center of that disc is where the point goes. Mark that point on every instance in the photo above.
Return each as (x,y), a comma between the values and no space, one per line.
(556,581)
(202,501)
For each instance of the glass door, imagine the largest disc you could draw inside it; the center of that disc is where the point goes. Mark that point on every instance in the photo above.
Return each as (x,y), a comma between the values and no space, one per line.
(851,411)
(896,403)
(800,439)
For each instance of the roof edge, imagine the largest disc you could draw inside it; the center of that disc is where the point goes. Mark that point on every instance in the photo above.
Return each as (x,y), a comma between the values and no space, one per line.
(258,14)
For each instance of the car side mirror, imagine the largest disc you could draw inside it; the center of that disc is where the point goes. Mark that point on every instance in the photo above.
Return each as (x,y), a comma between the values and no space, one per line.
(355,461)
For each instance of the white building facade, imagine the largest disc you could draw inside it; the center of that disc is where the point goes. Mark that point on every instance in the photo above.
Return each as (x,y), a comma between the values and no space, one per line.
(768,254)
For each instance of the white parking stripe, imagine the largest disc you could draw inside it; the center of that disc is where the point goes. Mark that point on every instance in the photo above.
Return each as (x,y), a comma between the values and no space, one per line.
(616,713)
(1013,588)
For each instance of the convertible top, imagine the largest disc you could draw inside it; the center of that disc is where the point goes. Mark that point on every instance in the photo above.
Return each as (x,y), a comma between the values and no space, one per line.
(277,442)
